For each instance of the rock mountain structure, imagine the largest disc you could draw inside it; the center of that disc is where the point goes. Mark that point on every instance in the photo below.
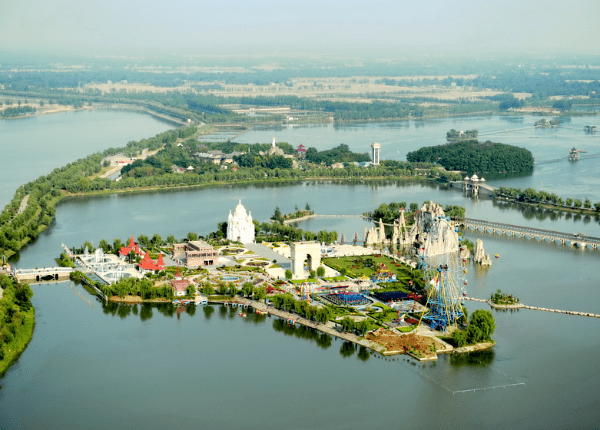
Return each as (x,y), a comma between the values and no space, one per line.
(432,231)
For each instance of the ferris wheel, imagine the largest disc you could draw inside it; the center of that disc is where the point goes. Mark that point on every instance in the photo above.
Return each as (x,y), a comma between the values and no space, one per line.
(445,276)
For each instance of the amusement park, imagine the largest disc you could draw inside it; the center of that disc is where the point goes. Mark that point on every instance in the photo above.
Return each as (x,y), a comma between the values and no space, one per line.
(390,299)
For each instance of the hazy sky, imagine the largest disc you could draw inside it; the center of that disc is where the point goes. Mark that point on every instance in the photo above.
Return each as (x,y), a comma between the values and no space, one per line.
(198,26)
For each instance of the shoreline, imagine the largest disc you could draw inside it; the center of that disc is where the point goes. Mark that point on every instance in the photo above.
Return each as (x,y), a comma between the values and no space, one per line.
(327,328)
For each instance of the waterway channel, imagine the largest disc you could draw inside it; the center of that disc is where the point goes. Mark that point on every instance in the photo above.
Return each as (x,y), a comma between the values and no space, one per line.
(90,366)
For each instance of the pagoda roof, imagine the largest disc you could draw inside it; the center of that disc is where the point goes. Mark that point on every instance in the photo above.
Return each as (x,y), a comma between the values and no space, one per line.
(148,264)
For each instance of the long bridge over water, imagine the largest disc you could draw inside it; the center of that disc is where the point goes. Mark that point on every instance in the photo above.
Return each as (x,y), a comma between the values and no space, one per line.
(558,237)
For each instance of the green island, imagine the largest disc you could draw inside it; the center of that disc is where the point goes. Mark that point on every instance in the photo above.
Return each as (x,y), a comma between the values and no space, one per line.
(503,299)
(469,155)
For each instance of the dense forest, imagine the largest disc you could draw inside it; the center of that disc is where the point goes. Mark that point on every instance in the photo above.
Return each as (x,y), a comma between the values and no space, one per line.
(339,154)
(16,320)
(473,157)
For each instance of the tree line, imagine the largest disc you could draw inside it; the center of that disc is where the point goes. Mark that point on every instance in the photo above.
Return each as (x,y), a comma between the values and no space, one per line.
(530,195)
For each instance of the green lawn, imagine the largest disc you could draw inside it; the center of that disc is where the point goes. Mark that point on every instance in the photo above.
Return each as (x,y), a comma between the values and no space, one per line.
(359,266)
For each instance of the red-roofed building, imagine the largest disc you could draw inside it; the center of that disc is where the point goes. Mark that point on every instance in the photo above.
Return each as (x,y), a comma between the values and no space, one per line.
(148,265)
(301,150)
(125,250)
(160,262)
(179,286)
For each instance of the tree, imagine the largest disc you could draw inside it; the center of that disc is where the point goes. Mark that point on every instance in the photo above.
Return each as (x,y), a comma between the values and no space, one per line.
(190,290)
(232,289)
(309,236)
(208,290)
(307,207)
(222,288)
(288,274)
(322,236)
(347,324)
(260,293)
(577,203)
(104,245)
(143,240)
(156,240)
(247,289)
(171,239)
(192,236)
(117,244)
(320,271)
(481,326)
(459,337)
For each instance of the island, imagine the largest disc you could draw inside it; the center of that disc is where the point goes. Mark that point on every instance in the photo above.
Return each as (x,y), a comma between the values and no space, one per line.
(474,157)
(375,299)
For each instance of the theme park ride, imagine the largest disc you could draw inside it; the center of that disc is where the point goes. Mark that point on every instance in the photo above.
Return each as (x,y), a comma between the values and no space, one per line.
(444,299)
(383,274)
(347,298)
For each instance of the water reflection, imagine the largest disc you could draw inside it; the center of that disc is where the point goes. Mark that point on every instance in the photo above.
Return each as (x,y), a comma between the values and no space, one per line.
(473,359)
(146,312)
(323,340)
(363,353)
(208,311)
(347,349)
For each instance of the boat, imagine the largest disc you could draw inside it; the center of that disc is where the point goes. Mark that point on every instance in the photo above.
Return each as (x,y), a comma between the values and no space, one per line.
(574,154)
(242,314)
(497,255)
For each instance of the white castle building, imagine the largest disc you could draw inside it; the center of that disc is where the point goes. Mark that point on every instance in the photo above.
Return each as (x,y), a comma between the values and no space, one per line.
(240,227)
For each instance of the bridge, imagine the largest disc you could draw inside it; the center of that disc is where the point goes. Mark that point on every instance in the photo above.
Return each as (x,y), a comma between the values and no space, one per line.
(579,240)
(475,187)
(43,274)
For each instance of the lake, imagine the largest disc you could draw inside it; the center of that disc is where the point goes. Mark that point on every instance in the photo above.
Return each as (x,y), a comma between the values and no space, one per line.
(91,366)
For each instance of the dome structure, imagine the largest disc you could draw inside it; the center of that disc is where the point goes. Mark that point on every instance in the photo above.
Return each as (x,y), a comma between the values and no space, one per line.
(240,227)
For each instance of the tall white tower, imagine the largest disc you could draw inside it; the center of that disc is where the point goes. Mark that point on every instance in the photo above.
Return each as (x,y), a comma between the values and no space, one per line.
(375,147)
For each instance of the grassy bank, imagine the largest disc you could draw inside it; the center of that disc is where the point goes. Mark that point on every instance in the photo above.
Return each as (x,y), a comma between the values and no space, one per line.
(17,320)
(15,348)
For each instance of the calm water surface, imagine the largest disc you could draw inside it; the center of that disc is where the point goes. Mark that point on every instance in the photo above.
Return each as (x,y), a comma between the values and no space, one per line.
(94,367)
(35,146)
(567,179)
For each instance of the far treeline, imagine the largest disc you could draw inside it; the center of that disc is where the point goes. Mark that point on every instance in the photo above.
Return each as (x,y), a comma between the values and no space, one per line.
(18,227)
(473,157)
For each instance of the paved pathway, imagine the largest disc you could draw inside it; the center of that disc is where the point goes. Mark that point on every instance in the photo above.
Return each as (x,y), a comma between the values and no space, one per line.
(23,204)
(266,252)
